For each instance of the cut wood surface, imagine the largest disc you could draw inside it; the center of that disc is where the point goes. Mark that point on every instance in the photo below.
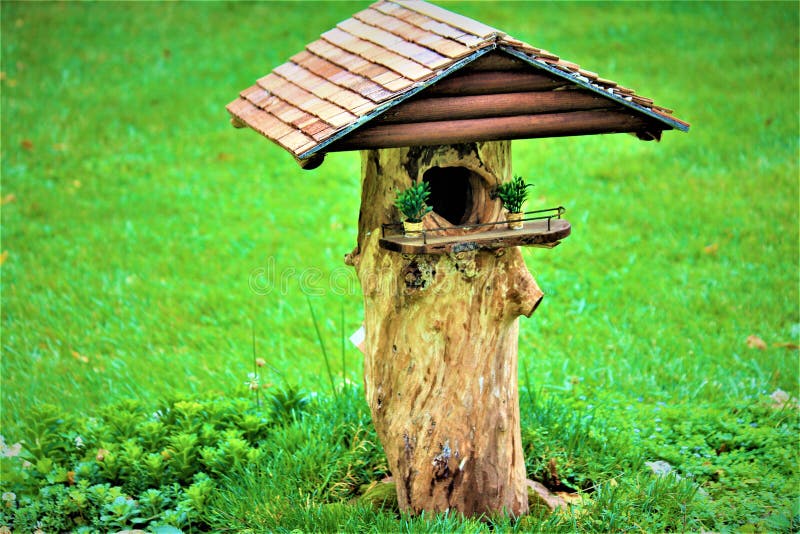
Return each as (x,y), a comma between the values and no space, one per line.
(440,363)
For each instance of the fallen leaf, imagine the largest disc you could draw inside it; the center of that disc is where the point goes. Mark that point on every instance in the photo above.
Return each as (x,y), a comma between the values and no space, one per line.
(27,144)
(755,342)
(711,249)
(80,357)
(76,184)
(8,199)
(224,156)
(3,257)
(789,345)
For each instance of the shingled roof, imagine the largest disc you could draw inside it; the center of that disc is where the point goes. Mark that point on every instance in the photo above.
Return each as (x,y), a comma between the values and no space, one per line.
(383,56)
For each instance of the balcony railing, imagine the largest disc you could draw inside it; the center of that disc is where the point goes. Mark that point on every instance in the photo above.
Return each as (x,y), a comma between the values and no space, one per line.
(548,214)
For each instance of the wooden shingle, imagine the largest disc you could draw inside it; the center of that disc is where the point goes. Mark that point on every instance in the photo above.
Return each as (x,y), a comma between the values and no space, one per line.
(395,43)
(295,140)
(453,19)
(341,77)
(434,26)
(377,54)
(445,47)
(355,64)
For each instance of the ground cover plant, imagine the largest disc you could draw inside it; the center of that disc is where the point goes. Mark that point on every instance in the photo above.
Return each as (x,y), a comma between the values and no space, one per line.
(144,240)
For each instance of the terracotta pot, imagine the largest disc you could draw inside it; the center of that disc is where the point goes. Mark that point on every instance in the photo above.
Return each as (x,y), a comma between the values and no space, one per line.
(515,220)
(412,229)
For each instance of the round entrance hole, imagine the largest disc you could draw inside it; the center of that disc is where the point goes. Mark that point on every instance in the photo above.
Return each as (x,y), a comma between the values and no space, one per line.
(454,193)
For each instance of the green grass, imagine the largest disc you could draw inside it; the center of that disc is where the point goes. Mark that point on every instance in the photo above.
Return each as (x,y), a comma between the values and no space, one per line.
(141,219)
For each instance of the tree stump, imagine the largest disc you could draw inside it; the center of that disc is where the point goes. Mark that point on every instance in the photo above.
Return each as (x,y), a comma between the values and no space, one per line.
(440,366)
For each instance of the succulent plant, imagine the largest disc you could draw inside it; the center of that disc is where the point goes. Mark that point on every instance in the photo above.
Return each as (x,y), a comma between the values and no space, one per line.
(411,201)
(513,194)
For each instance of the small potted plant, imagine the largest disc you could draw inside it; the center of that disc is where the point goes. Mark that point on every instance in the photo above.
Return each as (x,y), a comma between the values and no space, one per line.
(411,203)
(513,194)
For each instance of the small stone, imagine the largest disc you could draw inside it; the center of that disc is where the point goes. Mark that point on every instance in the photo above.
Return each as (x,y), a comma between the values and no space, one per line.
(779,396)
(660,467)
(781,399)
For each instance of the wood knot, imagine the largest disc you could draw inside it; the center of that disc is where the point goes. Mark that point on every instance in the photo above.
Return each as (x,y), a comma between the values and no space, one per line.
(353,258)
(418,275)
(441,463)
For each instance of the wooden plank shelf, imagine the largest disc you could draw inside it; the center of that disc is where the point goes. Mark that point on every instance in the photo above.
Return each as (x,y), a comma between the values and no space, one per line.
(533,233)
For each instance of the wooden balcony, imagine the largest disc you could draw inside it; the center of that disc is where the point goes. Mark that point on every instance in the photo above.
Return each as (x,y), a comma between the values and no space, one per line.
(538,231)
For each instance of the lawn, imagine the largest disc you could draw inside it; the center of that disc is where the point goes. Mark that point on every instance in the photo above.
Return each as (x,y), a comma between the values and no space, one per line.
(145,242)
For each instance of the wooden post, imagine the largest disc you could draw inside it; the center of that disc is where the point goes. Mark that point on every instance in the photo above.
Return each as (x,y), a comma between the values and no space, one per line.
(440,365)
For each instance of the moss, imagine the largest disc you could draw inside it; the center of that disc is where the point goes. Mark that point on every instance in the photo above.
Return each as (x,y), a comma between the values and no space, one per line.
(379,495)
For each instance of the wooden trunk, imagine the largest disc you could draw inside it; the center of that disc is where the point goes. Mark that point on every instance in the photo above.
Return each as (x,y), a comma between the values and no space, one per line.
(440,365)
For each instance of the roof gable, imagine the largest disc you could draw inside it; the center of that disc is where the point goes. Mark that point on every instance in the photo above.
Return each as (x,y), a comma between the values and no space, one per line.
(388,54)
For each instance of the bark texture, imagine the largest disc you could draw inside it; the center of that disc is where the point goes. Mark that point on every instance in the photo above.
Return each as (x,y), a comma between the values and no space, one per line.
(441,343)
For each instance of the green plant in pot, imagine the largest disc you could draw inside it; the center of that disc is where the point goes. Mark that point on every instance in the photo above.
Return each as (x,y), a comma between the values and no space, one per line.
(513,194)
(411,203)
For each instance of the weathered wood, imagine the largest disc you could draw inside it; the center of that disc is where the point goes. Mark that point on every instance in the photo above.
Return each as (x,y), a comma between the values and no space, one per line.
(495,128)
(532,233)
(480,83)
(493,105)
(497,61)
(440,364)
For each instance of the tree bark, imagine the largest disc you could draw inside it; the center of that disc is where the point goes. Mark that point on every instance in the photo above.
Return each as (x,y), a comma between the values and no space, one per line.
(440,366)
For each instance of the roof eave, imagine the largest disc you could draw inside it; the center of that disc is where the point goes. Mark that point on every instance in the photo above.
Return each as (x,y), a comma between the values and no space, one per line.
(586,83)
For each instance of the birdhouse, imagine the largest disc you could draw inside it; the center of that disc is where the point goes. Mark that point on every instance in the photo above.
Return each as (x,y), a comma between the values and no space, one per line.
(435,98)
